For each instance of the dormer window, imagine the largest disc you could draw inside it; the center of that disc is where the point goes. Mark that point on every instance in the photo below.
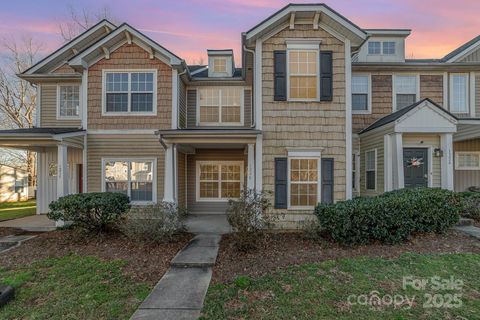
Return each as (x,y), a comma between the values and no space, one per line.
(220,65)
(388,47)
(374,47)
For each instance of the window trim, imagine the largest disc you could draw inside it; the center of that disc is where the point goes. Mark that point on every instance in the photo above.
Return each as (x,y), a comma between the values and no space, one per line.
(376,170)
(130,159)
(69,84)
(307,45)
(394,89)
(217,162)
(369,98)
(467,91)
(457,164)
(220,123)
(129,112)
(299,156)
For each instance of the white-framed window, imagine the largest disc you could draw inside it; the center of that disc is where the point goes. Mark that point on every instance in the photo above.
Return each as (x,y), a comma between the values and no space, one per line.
(220,106)
(129,92)
(371,169)
(303,71)
(467,160)
(361,95)
(219,180)
(220,65)
(405,90)
(374,47)
(459,93)
(134,177)
(388,47)
(303,182)
(68,101)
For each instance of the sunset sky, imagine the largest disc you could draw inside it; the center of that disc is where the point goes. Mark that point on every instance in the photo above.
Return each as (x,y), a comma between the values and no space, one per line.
(189,27)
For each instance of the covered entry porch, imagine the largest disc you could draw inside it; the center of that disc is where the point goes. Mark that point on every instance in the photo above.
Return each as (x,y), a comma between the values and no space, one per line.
(206,168)
(60,157)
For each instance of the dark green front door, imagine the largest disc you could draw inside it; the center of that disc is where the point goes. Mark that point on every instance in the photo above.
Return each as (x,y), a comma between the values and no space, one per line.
(415,167)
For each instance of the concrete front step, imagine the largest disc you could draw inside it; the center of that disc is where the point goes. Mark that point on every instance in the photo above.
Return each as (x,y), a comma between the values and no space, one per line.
(464,222)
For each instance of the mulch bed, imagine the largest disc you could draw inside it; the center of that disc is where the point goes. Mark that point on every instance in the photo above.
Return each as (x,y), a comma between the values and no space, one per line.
(279,250)
(145,262)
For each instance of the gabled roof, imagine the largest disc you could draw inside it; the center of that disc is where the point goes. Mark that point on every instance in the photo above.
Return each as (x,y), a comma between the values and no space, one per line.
(310,11)
(122,34)
(78,43)
(399,113)
(462,50)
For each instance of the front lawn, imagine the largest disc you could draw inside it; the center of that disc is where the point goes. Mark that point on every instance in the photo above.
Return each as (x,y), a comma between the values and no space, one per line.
(323,290)
(14,210)
(72,287)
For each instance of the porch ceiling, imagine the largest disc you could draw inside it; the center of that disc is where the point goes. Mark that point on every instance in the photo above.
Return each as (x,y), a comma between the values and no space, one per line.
(35,139)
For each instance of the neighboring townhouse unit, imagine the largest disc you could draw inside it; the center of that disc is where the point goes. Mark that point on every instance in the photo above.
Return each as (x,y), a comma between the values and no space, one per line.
(321,110)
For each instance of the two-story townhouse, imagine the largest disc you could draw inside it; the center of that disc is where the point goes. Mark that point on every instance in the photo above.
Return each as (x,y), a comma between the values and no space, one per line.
(320,111)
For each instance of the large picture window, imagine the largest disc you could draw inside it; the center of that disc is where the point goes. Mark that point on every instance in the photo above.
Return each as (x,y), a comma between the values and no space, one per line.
(219,180)
(405,91)
(68,101)
(371,170)
(459,93)
(303,74)
(219,106)
(130,92)
(304,182)
(135,178)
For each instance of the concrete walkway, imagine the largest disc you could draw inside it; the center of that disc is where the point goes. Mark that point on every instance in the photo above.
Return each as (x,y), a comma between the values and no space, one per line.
(208,223)
(35,223)
(470,230)
(179,295)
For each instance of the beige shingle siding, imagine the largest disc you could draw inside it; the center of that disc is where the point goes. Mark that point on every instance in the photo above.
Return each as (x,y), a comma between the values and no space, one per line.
(431,86)
(304,124)
(130,57)
(381,102)
(368,144)
(428,140)
(48,109)
(122,146)
(466,178)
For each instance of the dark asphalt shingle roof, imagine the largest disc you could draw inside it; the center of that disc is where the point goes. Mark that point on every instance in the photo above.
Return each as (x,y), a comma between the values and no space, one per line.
(461,48)
(195,67)
(398,114)
(204,73)
(40,130)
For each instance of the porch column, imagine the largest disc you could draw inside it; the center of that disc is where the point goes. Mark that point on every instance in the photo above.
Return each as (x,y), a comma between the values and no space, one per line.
(251,166)
(169,172)
(446,143)
(388,163)
(62,175)
(398,165)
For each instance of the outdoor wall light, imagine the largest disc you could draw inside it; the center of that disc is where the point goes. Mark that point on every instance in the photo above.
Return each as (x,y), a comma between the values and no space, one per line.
(437,152)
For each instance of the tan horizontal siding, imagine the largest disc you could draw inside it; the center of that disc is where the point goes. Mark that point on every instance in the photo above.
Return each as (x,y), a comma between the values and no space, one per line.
(48,109)
(122,146)
(466,178)
(182,179)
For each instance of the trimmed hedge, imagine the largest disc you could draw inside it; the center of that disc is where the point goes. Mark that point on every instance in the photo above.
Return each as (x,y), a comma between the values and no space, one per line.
(391,217)
(92,211)
(471,205)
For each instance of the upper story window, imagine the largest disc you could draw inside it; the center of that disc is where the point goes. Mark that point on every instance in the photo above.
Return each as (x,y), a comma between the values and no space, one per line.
(130,92)
(388,47)
(220,65)
(360,93)
(220,106)
(405,91)
(68,101)
(459,93)
(374,47)
(303,74)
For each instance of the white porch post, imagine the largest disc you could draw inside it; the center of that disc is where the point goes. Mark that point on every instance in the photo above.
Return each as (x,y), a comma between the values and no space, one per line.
(388,162)
(62,175)
(446,143)
(251,166)
(168,189)
(399,161)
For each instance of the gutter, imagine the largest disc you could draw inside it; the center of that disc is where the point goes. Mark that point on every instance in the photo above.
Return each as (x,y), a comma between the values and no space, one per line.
(160,139)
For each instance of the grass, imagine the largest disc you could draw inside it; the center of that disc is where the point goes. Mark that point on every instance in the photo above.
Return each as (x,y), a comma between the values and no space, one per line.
(14,210)
(72,287)
(321,291)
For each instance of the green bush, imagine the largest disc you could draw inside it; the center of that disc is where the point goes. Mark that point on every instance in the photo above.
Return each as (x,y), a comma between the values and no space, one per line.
(471,205)
(92,211)
(154,223)
(391,217)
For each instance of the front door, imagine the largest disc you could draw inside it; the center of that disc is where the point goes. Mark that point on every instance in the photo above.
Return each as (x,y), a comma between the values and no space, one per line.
(415,167)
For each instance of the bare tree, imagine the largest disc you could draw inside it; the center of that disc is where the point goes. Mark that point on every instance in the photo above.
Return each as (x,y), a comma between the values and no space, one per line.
(80,20)
(18,97)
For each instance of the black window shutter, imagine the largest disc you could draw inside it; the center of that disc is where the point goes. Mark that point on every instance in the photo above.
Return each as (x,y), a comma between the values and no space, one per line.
(326,76)
(280,75)
(281,174)
(327,180)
